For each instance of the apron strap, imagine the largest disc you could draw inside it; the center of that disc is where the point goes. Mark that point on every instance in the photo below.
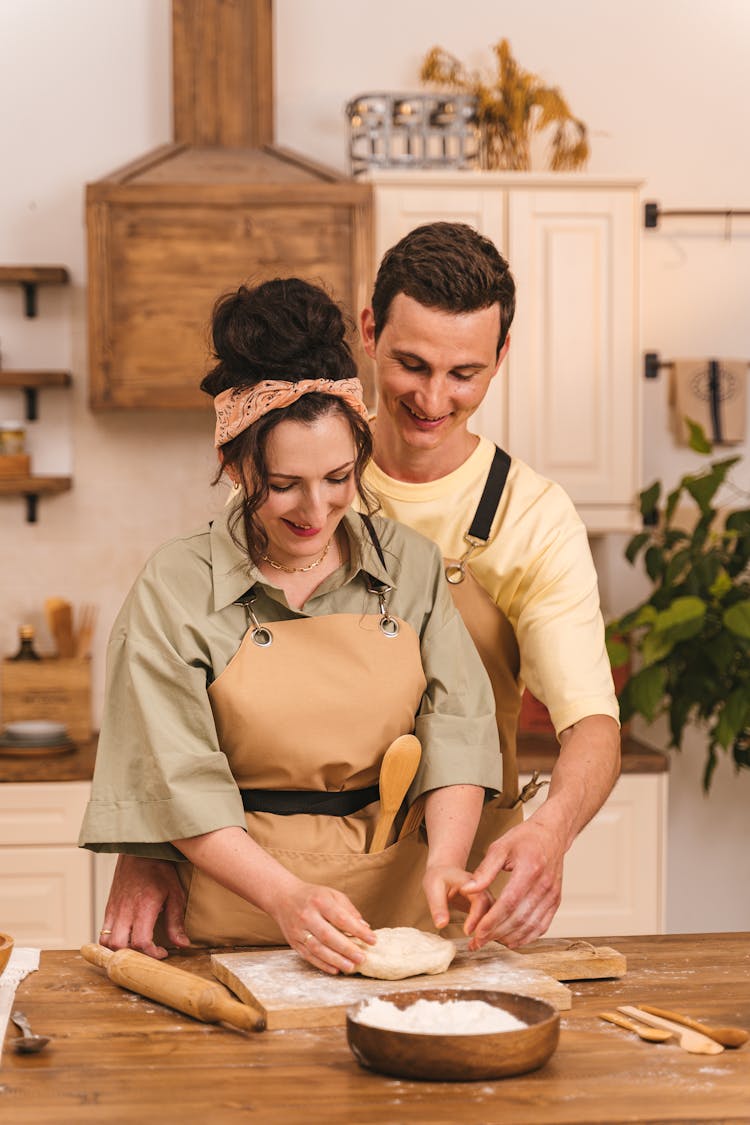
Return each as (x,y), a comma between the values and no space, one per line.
(374,537)
(490,498)
(288,802)
(479,532)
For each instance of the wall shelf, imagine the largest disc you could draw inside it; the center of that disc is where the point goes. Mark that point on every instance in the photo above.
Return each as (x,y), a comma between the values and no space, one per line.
(30,277)
(32,488)
(30,382)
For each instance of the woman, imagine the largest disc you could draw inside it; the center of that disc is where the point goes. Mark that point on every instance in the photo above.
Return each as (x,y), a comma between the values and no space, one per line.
(260,668)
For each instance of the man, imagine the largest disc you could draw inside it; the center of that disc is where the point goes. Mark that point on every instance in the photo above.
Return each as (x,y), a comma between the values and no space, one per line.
(519,564)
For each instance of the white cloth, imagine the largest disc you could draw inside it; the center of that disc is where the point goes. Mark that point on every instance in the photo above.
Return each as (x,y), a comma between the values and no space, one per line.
(21,963)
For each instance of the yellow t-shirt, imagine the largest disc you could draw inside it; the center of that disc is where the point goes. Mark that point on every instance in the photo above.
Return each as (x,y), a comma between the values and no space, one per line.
(537,567)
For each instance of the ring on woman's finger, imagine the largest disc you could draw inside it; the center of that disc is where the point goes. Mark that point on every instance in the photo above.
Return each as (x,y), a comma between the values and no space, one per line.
(105,932)
(308,936)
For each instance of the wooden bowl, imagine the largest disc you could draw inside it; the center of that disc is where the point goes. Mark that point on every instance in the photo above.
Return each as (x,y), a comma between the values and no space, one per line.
(6,948)
(457,1058)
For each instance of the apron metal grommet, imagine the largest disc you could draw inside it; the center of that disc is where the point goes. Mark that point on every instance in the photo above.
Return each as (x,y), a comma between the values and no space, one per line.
(262,637)
(388,626)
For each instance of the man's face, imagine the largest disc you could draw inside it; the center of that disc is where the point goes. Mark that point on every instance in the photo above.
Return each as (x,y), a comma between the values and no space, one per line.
(433,370)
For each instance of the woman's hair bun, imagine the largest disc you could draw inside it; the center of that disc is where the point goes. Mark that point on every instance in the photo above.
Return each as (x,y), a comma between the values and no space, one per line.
(281,329)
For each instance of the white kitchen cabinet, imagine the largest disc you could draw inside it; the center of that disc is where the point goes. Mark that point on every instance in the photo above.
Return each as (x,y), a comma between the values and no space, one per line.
(567,399)
(46,881)
(615,871)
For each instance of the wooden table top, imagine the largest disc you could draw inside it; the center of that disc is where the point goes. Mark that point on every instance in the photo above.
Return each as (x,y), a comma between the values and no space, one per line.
(119,1058)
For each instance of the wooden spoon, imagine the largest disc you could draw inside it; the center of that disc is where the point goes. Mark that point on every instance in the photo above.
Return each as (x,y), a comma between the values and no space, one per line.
(651,1034)
(727,1036)
(689,1040)
(397,772)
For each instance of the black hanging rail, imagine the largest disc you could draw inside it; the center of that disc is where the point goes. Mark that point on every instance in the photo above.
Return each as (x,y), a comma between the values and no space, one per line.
(652,212)
(652,362)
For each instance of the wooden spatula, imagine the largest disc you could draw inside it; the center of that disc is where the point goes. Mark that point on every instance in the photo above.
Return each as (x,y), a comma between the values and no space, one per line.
(397,771)
(689,1040)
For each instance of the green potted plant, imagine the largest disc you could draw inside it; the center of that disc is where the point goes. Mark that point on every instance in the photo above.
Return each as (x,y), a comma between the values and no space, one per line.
(691,635)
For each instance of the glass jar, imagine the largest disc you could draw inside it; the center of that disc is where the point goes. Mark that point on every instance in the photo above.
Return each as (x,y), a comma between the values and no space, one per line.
(12,438)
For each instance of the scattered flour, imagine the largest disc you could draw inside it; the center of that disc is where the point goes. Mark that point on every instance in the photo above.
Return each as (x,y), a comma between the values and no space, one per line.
(431,1017)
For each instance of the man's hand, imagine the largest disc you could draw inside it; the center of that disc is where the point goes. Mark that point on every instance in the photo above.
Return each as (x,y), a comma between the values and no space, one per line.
(141,890)
(533,852)
(527,904)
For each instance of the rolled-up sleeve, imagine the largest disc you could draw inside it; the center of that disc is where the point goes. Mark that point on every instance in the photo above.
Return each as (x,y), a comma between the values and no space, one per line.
(160,774)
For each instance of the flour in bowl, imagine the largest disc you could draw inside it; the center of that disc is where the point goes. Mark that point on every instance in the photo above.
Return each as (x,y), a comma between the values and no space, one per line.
(433,1017)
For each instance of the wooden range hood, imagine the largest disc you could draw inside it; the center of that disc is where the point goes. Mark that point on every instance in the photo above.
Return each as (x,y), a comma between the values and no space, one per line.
(218,206)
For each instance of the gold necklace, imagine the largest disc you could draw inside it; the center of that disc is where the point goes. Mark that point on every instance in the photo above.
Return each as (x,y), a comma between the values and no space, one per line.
(298,569)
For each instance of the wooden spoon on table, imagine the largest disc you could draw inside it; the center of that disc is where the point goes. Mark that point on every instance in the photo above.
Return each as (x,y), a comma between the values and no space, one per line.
(689,1040)
(727,1036)
(397,771)
(651,1034)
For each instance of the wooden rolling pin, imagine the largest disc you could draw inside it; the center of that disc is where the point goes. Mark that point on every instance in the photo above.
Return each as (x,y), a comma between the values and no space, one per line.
(202,999)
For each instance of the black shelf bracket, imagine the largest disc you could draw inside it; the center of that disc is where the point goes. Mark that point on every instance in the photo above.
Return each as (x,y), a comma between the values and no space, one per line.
(31,399)
(32,499)
(652,363)
(29,291)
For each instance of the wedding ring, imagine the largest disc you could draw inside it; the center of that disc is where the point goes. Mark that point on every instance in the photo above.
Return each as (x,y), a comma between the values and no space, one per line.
(308,935)
(105,931)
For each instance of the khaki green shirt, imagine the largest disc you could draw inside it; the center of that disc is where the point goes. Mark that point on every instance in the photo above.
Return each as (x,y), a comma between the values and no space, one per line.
(160,773)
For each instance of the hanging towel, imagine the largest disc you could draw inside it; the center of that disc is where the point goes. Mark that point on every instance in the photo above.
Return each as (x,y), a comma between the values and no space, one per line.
(712,392)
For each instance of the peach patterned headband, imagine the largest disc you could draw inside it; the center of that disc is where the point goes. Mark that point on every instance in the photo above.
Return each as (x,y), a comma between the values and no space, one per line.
(239,407)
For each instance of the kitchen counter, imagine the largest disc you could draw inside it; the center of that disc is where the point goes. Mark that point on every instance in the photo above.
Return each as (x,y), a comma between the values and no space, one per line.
(119,1058)
(535,752)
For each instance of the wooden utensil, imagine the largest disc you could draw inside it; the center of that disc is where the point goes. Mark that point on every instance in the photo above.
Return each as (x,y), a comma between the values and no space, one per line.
(413,818)
(727,1036)
(397,771)
(59,615)
(650,1034)
(85,631)
(689,1040)
(202,999)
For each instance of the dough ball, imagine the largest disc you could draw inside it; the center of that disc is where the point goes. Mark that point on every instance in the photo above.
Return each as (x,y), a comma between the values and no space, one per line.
(405,952)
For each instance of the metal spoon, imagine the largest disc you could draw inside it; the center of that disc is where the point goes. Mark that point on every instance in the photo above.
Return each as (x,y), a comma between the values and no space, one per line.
(30,1043)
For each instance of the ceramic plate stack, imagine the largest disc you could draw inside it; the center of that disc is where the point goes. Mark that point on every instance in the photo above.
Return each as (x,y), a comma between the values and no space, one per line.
(34,736)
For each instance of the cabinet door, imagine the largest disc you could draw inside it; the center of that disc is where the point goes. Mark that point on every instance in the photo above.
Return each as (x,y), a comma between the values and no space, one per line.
(614,874)
(573,390)
(46,895)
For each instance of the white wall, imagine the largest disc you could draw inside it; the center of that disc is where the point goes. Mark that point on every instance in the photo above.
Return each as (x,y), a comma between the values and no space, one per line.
(663,89)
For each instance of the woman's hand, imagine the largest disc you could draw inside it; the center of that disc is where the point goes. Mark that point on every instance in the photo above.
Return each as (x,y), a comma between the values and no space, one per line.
(319,923)
(442,887)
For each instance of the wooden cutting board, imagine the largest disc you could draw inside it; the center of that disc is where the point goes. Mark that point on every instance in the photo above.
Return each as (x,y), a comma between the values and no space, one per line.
(294,994)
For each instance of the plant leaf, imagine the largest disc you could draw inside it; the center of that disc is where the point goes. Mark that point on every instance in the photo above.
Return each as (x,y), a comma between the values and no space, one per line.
(654,561)
(645,691)
(721,585)
(650,498)
(704,486)
(733,717)
(683,618)
(737,619)
(635,545)
(698,440)
(618,652)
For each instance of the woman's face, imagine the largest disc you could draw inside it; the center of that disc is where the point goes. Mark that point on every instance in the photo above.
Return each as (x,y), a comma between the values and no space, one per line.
(311,484)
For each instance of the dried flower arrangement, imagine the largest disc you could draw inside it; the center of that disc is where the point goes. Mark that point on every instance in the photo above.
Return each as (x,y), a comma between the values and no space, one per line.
(510,108)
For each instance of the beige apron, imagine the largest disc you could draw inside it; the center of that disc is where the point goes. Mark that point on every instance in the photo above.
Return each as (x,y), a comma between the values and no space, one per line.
(315,710)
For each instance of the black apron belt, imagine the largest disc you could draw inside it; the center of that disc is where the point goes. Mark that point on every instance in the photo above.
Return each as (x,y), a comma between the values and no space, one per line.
(288,802)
